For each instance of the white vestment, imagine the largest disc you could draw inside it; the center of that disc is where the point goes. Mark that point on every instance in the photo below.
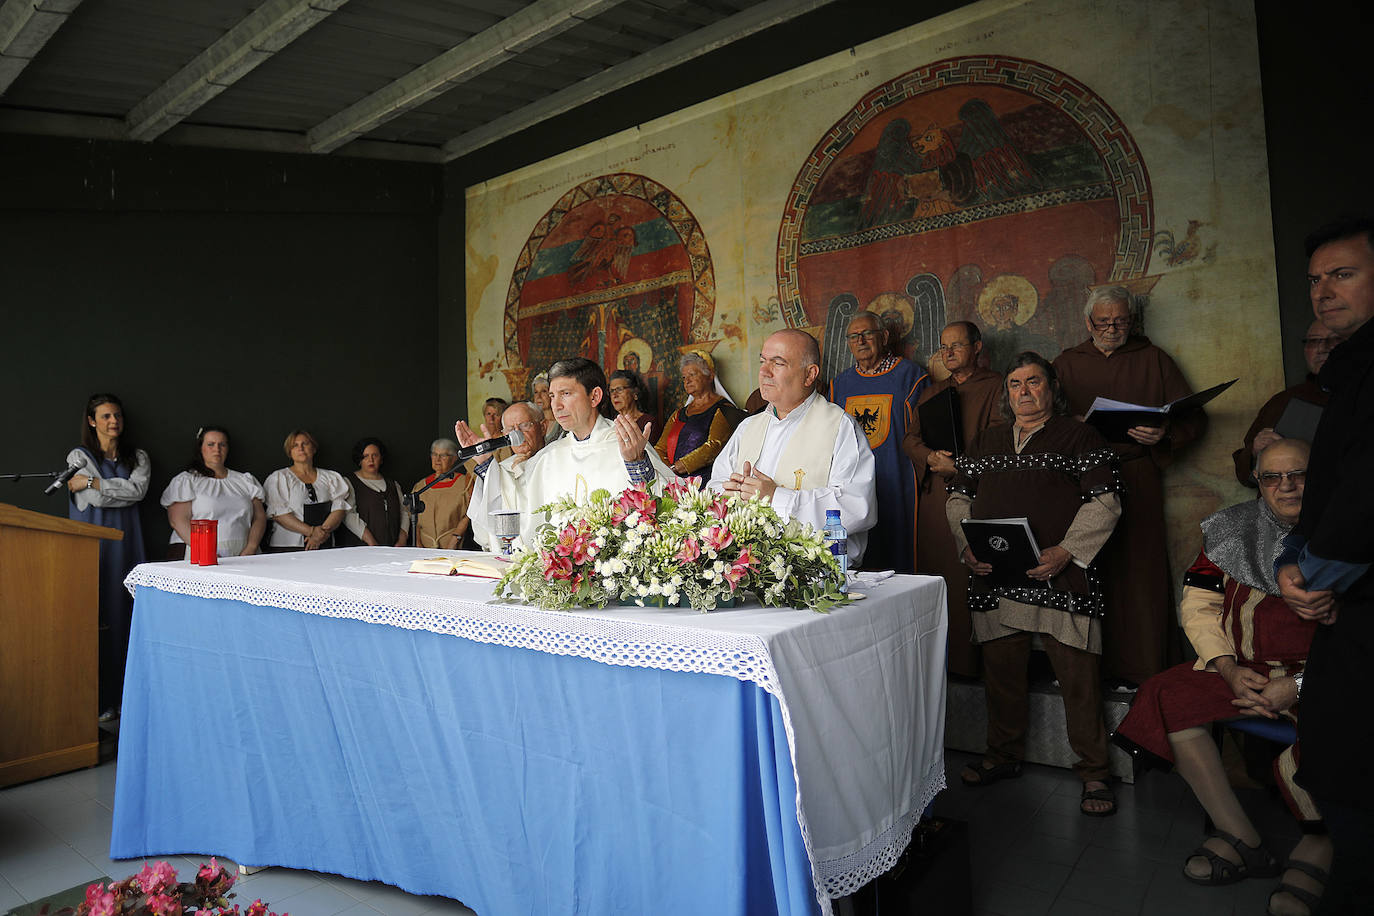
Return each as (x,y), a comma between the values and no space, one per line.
(566,466)
(847,483)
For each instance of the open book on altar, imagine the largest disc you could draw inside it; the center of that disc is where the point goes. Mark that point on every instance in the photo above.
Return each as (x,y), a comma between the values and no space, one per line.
(479,568)
(1113,418)
(1007,545)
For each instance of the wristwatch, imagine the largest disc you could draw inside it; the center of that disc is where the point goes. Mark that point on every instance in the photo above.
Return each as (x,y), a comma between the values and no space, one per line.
(1297,682)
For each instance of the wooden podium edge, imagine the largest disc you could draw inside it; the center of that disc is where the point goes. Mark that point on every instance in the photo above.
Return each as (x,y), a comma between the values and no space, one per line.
(38,521)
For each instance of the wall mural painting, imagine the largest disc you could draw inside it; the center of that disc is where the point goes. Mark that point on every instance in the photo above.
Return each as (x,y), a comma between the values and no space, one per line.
(617,271)
(989,189)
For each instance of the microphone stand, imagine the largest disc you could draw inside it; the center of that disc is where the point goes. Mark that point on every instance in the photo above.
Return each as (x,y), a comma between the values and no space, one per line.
(50,475)
(484,447)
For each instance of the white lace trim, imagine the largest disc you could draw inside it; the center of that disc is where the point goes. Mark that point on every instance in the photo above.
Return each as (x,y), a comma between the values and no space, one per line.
(583,635)
(842,877)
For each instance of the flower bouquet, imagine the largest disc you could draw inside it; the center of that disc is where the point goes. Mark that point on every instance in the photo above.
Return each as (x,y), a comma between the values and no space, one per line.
(672,544)
(154,891)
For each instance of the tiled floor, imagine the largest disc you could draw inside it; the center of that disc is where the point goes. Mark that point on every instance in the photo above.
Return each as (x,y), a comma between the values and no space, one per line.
(1032,852)
(55,834)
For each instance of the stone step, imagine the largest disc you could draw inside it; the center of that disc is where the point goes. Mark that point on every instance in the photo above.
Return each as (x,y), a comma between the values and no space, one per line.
(1047,740)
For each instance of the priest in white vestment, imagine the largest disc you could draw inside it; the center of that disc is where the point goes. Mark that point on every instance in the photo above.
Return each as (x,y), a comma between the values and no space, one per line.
(597,453)
(802,453)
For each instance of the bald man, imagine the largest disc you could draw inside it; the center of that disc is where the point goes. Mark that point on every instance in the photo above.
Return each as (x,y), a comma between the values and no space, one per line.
(780,455)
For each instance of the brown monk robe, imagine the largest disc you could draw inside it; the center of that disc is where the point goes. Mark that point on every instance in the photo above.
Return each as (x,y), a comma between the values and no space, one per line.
(1268,415)
(1140,636)
(936,555)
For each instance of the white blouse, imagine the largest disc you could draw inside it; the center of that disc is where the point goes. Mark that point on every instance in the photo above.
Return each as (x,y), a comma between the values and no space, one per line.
(229,501)
(286,495)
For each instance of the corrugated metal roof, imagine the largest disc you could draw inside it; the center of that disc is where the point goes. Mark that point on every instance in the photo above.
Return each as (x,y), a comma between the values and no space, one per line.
(325,73)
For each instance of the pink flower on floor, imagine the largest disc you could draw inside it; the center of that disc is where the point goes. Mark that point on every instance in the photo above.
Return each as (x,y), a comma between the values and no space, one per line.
(635,499)
(165,904)
(213,875)
(156,878)
(689,551)
(103,903)
(256,908)
(717,538)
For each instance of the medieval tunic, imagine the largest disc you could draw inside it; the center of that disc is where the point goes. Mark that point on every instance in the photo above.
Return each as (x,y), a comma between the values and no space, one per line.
(1229,607)
(1308,390)
(935,551)
(695,439)
(884,404)
(1062,480)
(377,507)
(1138,635)
(440,525)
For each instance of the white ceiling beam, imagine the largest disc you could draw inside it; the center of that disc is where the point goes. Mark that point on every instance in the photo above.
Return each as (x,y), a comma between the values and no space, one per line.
(25,27)
(679,51)
(536,23)
(254,39)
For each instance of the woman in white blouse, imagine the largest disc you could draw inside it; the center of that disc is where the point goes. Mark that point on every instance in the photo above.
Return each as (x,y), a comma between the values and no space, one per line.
(112,481)
(378,516)
(208,489)
(308,504)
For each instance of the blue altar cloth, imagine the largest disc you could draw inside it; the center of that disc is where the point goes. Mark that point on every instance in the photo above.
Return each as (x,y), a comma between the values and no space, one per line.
(516,781)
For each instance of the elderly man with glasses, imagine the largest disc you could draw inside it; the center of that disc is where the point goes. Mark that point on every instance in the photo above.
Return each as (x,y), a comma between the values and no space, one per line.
(881,392)
(976,395)
(526,417)
(1251,654)
(1140,635)
(1317,345)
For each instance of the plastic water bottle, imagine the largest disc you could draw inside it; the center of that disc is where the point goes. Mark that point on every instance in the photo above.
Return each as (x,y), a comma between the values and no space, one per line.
(837,541)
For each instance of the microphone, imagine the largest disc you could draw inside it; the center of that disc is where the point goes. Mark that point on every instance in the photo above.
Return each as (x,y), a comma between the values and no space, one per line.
(62,479)
(512,438)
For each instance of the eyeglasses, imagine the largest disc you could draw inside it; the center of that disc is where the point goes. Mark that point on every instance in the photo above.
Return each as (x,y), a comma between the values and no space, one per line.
(1116,324)
(1271,479)
(1324,343)
(952,348)
(860,335)
(615,388)
(310,492)
(523,427)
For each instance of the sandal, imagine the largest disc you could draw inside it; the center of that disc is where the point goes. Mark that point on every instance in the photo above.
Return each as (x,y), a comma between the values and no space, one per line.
(987,775)
(1104,794)
(1255,862)
(1304,896)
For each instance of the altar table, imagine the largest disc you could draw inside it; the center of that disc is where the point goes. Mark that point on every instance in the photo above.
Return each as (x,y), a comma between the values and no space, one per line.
(326,710)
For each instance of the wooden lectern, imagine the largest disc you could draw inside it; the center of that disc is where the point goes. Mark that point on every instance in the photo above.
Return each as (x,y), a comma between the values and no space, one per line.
(49,644)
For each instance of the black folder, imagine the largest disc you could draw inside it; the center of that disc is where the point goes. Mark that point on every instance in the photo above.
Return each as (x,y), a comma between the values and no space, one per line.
(1007,544)
(1299,420)
(1113,418)
(942,423)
